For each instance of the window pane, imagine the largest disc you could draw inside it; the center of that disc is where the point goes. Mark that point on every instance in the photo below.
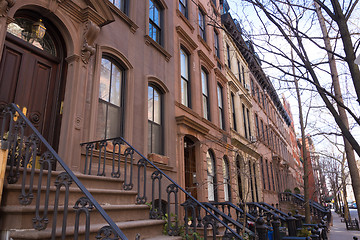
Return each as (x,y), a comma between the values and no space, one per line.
(157,107)
(184,92)
(105,79)
(184,64)
(219,97)
(116,78)
(205,106)
(204,83)
(101,123)
(113,123)
(150,103)
(156,139)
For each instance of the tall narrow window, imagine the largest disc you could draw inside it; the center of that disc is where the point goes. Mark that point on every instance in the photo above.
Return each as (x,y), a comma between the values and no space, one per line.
(248,121)
(211,176)
(228,56)
(155,142)
(220,105)
(258,95)
(257,125)
(202,25)
(183,7)
(154,21)
(272,176)
(205,95)
(110,114)
(226,181)
(252,88)
(216,44)
(244,120)
(243,74)
(262,130)
(239,173)
(267,136)
(262,172)
(251,183)
(185,86)
(239,70)
(233,111)
(255,183)
(268,174)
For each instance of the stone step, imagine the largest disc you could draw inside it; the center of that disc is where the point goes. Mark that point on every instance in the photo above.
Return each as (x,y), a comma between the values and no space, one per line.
(20,217)
(103,196)
(142,228)
(163,237)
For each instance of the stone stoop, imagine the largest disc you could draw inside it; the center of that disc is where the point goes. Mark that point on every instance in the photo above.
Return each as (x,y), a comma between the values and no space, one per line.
(133,219)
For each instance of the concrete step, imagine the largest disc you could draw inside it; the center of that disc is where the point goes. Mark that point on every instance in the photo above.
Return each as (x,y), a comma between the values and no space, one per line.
(131,229)
(20,217)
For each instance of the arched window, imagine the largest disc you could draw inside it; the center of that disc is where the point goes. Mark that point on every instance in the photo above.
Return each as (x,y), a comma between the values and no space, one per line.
(155,142)
(110,110)
(226,175)
(211,176)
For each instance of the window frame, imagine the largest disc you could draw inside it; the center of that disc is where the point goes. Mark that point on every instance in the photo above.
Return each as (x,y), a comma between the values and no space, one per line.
(233,111)
(221,106)
(226,179)
(216,44)
(125,5)
(186,102)
(211,179)
(158,27)
(183,7)
(202,24)
(205,95)
(160,125)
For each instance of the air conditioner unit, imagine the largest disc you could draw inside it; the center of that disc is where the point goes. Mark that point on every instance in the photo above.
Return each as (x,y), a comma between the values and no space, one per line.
(253,139)
(247,87)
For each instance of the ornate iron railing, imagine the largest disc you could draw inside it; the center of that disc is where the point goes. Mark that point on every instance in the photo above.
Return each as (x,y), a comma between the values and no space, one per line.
(26,146)
(264,211)
(117,158)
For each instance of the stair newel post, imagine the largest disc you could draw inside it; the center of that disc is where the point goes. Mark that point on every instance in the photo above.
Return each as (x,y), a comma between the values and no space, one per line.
(16,140)
(291,224)
(298,220)
(62,180)
(315,233)
(40,223)
(142,164)
(261,229)
(276,227)
(116,157)
(102,150)
(173,230)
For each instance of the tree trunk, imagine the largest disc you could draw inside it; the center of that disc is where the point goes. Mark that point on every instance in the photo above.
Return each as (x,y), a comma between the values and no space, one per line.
(354,172)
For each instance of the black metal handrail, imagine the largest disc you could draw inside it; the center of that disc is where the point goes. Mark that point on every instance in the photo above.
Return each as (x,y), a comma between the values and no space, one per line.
(265,210)
(191,206)
(279,212)
(22,154)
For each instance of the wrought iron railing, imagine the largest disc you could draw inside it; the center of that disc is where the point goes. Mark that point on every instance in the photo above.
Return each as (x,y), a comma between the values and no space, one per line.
(277,211)
(117,158)
(27,148)
(264,211)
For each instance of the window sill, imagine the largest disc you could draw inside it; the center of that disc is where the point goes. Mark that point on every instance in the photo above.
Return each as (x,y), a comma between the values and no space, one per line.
(150,41)
(204,43)
(133,27)
(186,21)
(158,158)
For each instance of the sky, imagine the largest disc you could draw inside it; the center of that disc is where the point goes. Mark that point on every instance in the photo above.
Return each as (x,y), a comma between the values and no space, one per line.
(318,118)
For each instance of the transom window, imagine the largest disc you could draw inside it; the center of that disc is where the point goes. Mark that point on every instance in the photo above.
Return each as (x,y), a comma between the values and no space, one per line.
(155,21)
(155,142)
(110,112)
(205,94)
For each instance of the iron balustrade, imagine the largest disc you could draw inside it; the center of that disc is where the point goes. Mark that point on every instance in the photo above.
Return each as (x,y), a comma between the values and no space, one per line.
(279,212)
(25,145)
(116,157)
(264,211)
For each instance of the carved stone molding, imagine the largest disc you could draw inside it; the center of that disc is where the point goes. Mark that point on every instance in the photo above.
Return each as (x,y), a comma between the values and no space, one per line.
(5,5)
(91,32)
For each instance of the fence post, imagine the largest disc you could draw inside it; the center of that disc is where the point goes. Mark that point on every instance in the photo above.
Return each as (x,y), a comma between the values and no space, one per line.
(315,233)
(276,225)
(291,224)
(261,229)
(298,220)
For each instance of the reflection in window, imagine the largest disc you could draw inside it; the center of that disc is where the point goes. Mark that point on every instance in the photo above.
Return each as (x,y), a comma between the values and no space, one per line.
(110,99)
(120,4)
(183,7)
(220,105)
(184,62)
(226,175)
(205,95)
(202,25)
(154,21)
(22,28)
(211,176)
(155,142)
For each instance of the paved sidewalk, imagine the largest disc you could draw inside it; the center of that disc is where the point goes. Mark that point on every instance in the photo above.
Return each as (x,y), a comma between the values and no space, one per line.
(338,230)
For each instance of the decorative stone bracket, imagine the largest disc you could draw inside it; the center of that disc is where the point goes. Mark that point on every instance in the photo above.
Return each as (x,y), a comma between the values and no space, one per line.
(5,5)
(91,32)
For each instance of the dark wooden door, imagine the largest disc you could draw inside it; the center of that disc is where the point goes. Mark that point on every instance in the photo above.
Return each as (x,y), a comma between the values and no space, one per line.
(30,78)
(190,168)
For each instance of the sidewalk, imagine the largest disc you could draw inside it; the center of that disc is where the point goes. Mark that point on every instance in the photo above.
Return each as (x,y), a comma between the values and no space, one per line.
(338,230)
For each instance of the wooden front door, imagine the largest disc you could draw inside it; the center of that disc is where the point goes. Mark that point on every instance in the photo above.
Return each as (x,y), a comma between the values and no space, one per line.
(190,167)
(30,78)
